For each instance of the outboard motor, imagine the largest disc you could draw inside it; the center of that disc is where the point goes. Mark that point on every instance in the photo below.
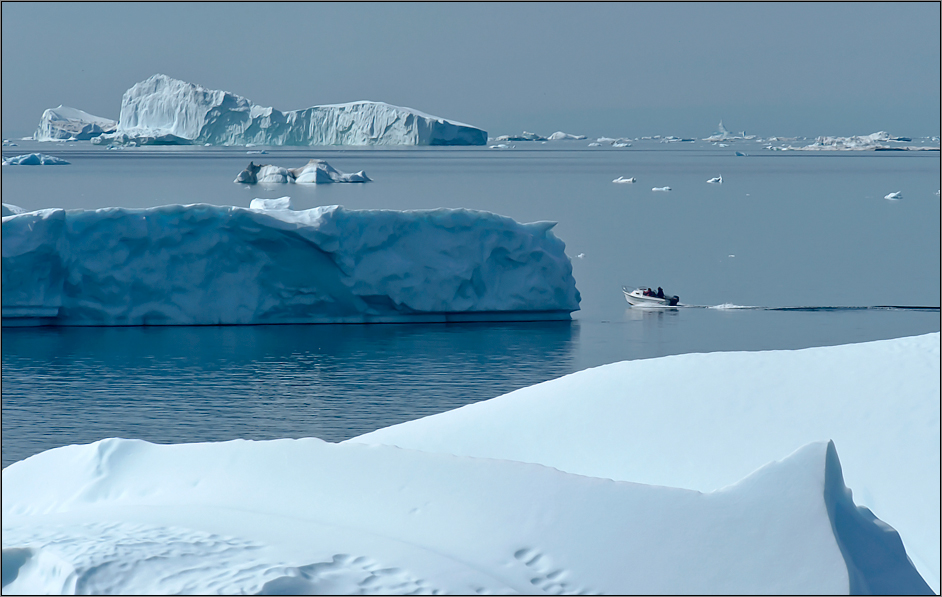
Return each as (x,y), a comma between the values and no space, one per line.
(674,300)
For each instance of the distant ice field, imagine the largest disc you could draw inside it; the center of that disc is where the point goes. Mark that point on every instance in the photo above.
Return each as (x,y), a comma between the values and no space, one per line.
(783,230)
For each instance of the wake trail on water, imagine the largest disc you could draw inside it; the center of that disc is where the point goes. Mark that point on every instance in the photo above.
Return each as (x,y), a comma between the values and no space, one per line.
(733,307)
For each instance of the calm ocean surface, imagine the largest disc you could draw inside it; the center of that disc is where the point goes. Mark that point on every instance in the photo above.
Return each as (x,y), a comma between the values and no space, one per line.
(784,230)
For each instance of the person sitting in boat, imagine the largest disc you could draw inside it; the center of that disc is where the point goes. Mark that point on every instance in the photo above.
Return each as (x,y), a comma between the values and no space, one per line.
(648,292)
(660,292)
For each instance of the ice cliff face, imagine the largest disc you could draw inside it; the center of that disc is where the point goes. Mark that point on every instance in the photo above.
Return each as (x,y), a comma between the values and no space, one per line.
(202,264)
(166,110)
(68,123)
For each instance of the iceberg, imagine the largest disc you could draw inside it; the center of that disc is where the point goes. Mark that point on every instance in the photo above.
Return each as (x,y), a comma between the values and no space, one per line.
(704,421)
(162,110)
(716,180)
(661,189)
(10,209)
(314,172)
(724,135)
(561,136)
(623,180)
(34,159)
(894,196)
(879,141)
(523,493)
(526,136)
(208,265)
(64,123)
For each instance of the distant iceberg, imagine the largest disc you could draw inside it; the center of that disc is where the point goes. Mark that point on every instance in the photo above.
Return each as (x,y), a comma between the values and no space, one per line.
(662,189)
(879,141)
(525,136)
(561,136)
(12,210)
(314,172)
(209,265)
(162,110)
(724,135)
(716,180)
(623,180)
(34,159)
(895,196)
(64,123)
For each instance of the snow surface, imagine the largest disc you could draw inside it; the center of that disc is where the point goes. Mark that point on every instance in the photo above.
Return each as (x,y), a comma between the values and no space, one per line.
(203,264)
(703,421)
(34,159)
(165,110)
(64,123)
(314,172)
(306,516)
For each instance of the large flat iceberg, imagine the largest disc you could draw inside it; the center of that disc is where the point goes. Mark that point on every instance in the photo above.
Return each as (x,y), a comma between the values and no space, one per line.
(310,517)
(210,265)
(162,110)
(314,172)
(64,123)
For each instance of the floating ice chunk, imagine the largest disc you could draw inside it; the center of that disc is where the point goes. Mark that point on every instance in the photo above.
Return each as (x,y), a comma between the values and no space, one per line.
(716,180)
(661,189)
(740,154)
(8,143)
(595,144)
(11,210)
(166,110)
(561,136)
(623,180)
(34,159)
(314,172)
(63,123)
(501,146)
(526,136)
(256,152)
(895,196)
(280,203)
(621,144)
(208,265)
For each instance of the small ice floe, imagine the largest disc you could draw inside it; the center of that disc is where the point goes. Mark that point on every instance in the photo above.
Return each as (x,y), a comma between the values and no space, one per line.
(8,143)
(661,189)
(314,172)
(580,256)
(256,152)
(279,203)
(595,144)
(501,146)
(621,144)
(740,154)
(34,159)
(623,180)
(896,196)
(716,180)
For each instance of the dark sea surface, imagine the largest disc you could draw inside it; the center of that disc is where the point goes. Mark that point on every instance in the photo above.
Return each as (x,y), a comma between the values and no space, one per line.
(793,250)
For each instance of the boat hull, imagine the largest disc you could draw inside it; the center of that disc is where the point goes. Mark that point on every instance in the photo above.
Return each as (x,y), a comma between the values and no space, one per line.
(635,298)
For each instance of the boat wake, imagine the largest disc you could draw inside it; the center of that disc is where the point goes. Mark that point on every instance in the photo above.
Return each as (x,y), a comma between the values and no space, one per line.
(732,307)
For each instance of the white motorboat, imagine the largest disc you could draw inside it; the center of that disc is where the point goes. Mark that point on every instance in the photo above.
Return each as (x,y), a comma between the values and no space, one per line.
(645,297)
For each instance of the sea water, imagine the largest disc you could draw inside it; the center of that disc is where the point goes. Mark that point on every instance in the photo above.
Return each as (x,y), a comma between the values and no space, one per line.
(792,250)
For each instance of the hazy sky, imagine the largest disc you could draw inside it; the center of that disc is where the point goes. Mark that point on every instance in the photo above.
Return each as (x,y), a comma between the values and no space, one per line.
(596,69)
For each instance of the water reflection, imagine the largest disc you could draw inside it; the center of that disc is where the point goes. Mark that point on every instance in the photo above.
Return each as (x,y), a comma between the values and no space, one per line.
(184,384)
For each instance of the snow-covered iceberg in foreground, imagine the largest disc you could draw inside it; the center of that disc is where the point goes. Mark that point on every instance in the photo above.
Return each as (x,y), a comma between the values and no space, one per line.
(64,123)
(310,517)
(162,110)
(314,172)
(704,421)
(207,265)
